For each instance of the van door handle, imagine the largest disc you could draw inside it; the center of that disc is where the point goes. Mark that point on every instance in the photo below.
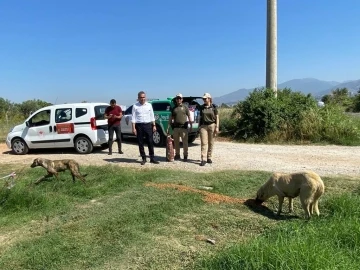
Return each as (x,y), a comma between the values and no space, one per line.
(54,128)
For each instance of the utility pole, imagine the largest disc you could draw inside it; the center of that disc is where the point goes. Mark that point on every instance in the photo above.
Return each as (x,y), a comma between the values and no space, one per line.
(271,46)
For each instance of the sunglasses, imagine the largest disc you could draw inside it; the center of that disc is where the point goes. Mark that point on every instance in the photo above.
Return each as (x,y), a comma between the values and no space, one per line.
(204,98)
(178,98)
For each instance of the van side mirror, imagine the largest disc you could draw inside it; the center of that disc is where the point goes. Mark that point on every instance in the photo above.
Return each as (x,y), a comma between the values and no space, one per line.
(27,123)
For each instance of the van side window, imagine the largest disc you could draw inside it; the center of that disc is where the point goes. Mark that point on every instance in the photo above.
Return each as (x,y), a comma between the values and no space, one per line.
(161,106)
(40,119)
(100,111)
(80,112)
(63,115)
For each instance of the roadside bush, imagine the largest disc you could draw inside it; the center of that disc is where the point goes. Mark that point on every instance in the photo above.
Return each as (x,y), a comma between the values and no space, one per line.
(291,117)
(265,117)
(227,121)
(329,124)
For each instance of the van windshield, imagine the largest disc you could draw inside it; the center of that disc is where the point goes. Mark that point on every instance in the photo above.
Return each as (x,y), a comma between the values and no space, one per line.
(100,111)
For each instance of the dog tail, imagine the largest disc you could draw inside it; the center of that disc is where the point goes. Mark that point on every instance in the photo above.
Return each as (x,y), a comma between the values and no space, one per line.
(84,175)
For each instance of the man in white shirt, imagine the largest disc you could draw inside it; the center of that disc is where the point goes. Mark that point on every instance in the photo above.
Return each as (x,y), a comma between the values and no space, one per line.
(143,124)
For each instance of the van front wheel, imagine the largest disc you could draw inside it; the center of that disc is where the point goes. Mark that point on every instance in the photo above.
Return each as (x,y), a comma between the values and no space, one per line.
(83,145)
(19,147)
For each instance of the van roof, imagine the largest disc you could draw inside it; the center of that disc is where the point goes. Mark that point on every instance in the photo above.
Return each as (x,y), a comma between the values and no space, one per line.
(77,104)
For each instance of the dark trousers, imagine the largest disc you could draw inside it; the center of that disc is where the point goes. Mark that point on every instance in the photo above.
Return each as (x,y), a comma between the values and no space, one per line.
(145,130)
(117,130)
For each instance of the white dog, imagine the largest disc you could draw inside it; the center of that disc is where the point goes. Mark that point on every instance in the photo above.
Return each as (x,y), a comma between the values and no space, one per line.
(308,185)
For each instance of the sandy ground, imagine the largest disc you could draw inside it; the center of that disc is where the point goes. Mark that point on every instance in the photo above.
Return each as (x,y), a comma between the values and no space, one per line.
(325,160)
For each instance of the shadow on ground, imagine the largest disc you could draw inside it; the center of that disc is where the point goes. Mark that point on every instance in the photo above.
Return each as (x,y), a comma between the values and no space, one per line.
(266,211)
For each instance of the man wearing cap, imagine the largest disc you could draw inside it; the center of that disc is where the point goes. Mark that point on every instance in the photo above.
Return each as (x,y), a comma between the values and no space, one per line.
(209,127)
(179,120)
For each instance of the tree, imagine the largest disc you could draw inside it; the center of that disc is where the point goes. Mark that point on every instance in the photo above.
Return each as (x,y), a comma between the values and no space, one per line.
(30,106)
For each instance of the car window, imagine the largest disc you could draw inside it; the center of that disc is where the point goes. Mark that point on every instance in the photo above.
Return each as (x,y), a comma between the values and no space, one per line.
(128,110)
(63,115)
(100,111)
(80,112)
(161,106)
(40,119)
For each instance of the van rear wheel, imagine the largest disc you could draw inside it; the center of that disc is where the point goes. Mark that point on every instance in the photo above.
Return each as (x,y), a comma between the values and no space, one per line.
(158,138)
(83,145)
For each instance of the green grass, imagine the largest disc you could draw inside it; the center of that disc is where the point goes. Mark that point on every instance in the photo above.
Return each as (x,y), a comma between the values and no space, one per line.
(116,222)
(332,242)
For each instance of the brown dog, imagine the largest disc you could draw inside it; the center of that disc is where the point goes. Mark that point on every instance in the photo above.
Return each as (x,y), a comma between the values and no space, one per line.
(308,185)
(55,166)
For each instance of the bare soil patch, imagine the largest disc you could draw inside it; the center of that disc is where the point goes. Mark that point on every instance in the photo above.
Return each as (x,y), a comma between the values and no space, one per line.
(209,196)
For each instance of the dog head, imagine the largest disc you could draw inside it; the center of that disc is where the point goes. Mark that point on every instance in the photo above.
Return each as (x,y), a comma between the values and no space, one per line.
(260,196)
(37,162)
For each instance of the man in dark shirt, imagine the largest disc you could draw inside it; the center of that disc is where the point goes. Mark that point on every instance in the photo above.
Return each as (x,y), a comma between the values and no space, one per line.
(113,114)
(179,120)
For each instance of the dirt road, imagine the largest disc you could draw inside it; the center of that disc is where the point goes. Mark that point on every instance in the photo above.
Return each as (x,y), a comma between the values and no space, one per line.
(325,160)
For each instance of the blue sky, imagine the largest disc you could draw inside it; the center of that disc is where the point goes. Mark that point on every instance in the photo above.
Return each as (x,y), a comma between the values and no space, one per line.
(74,50)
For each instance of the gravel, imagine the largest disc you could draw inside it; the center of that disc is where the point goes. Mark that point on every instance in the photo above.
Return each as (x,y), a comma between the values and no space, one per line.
(325,160)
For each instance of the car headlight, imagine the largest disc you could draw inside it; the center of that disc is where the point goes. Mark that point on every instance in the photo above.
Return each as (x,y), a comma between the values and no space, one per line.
(11,129)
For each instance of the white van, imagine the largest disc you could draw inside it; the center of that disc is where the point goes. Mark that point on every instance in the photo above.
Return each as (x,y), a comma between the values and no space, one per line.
(79,125)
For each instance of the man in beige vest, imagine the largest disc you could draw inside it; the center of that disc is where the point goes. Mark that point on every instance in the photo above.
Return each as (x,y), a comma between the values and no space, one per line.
(179,120)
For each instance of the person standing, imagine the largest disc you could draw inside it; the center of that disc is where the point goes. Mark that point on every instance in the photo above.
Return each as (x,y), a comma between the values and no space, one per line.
(180,114)
(143,124)
(113,114)
(209,127)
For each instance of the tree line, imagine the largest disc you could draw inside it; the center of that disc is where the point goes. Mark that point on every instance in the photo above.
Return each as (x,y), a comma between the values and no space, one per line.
(11,112)
(344,98)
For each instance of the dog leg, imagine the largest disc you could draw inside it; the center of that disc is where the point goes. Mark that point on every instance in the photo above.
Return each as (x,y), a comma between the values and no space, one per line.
(43,178)
(306,206)
(281,201)
(53,172)
(311,208)
(73,177)
(76,173)
(316,207)
(81,178)
(291,205)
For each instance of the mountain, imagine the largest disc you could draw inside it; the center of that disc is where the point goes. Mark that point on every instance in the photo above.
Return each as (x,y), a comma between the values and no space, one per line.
(306,85)
(233,97)
(352,86)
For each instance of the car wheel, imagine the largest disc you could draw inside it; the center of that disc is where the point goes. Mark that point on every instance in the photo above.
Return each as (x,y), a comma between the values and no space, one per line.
(19,147)
(83,145)
(191,138)
(158,138)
